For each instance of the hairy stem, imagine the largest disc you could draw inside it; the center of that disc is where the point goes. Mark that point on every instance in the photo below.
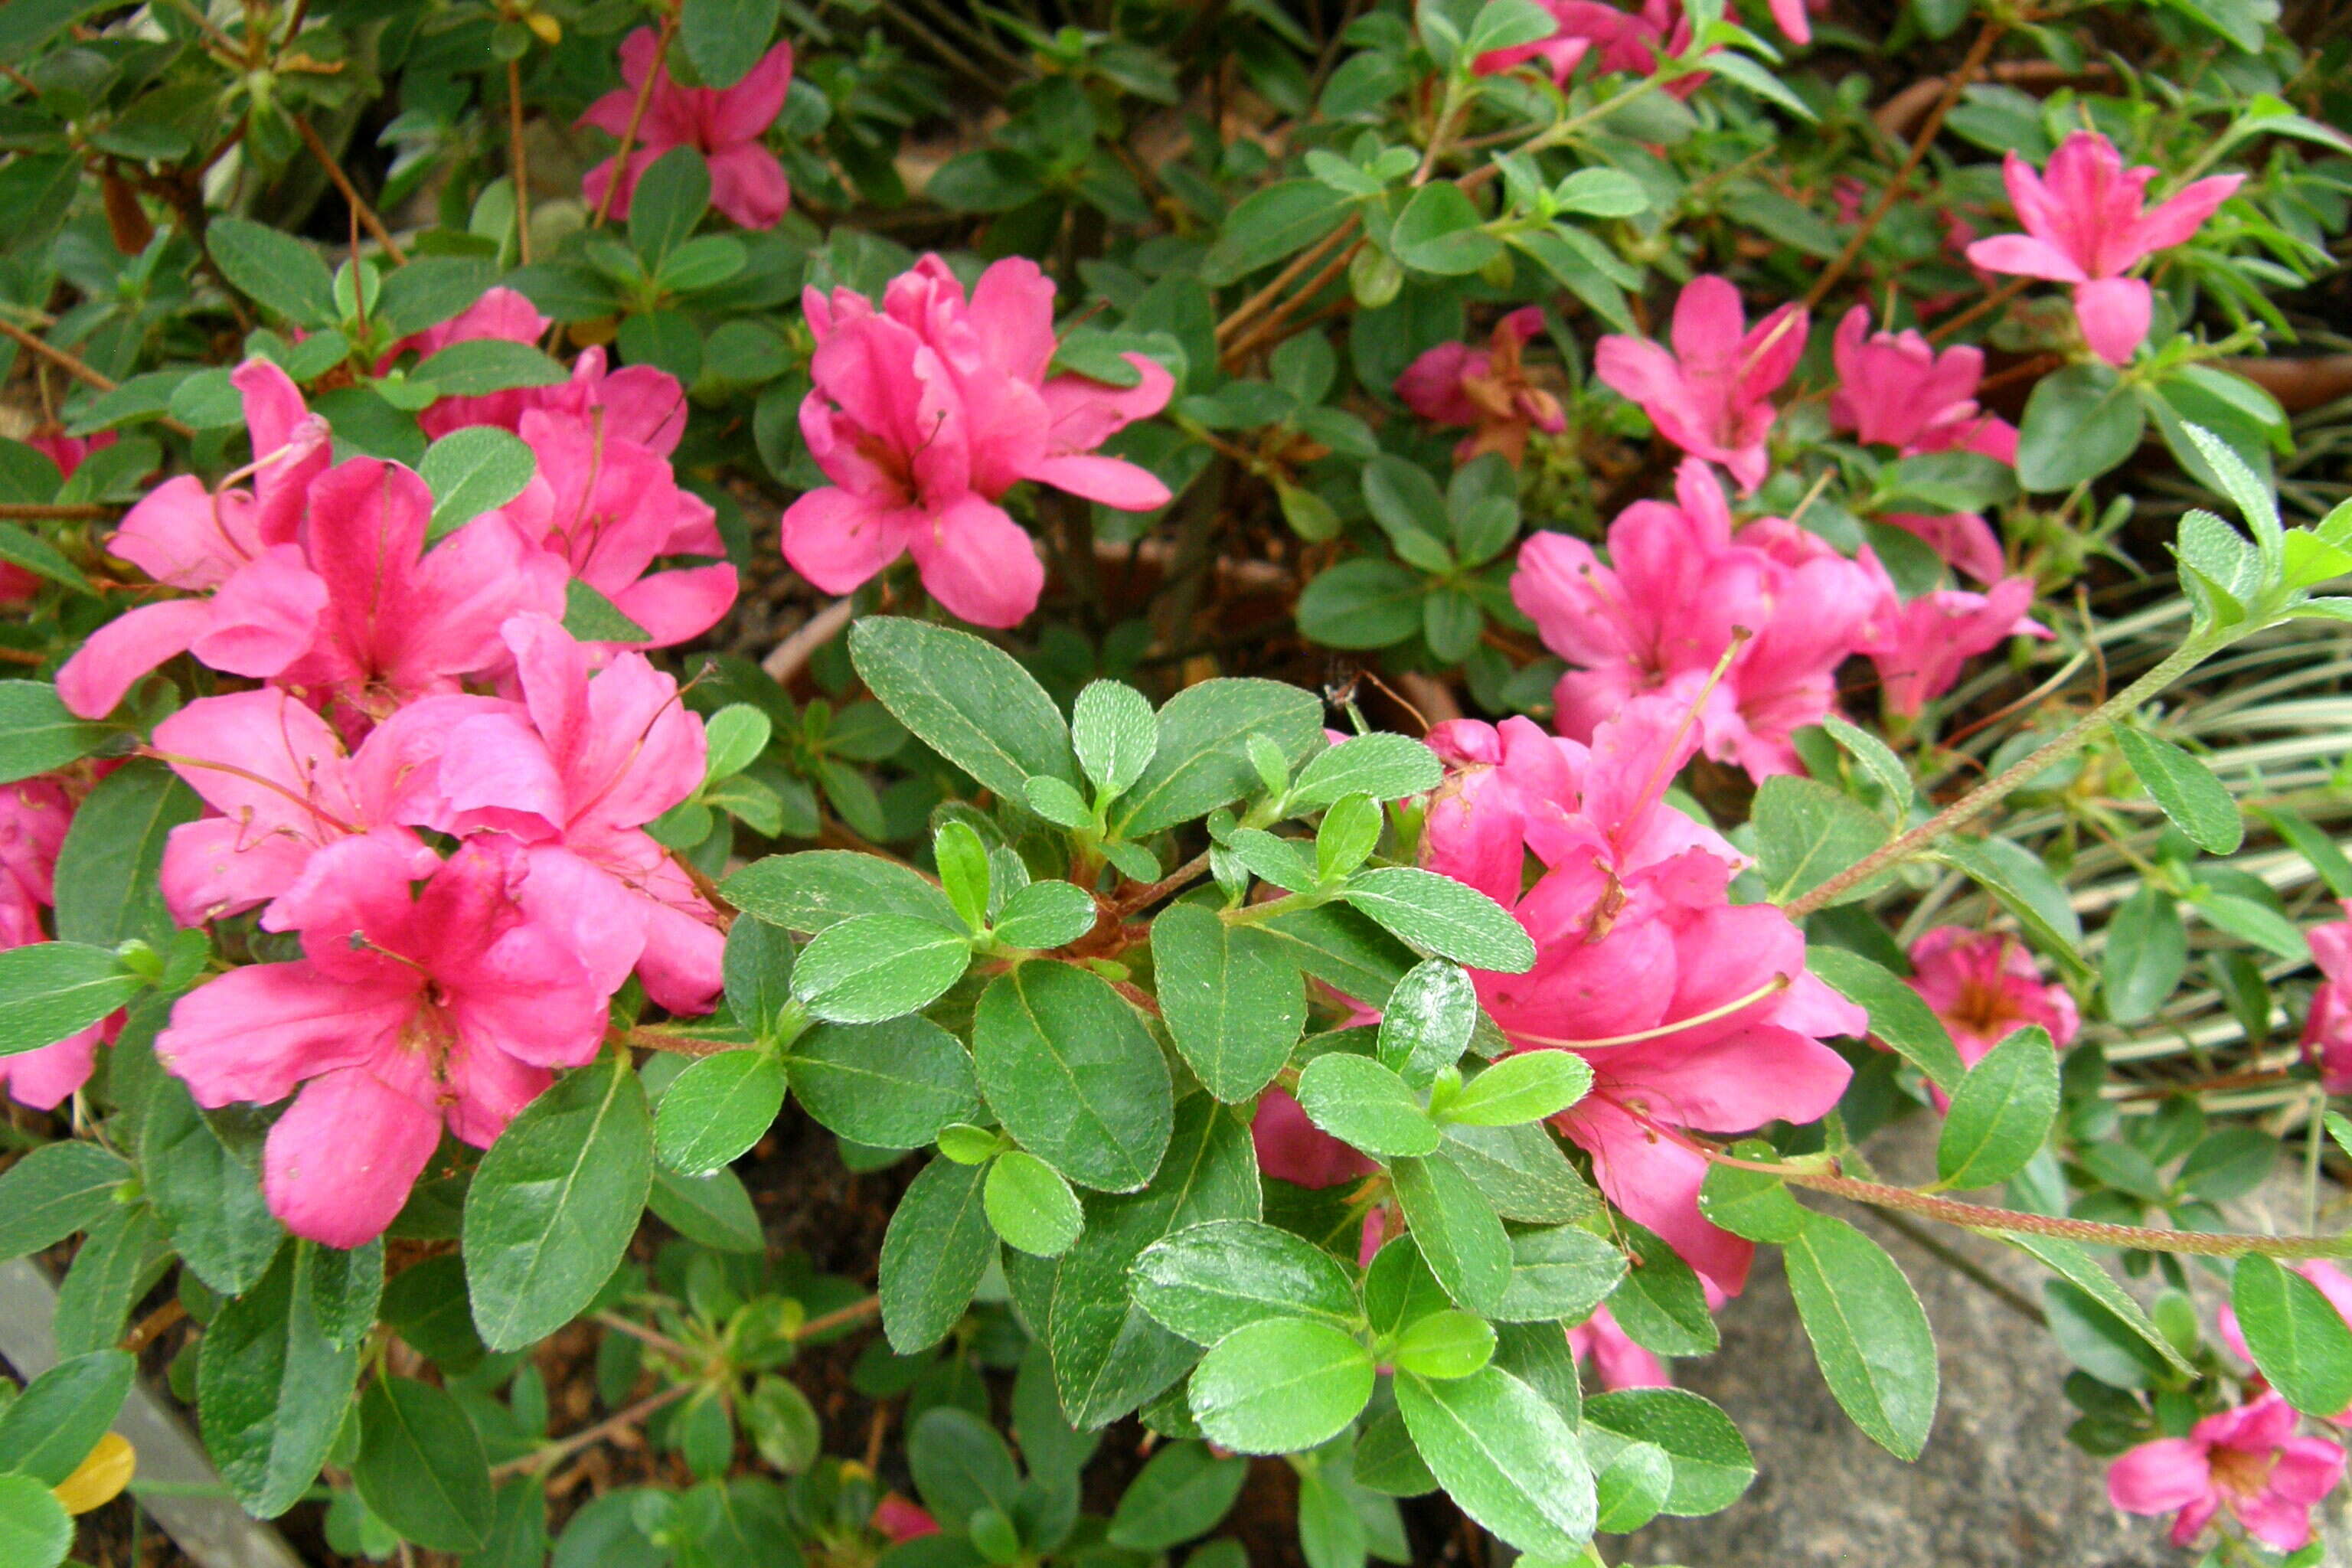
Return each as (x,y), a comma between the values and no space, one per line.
(360,208)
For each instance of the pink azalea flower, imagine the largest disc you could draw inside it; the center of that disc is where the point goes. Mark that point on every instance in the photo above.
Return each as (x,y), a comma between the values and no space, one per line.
(401,621)
(278,777)
(1695,1015)
(2085,225)
(1292,1149)
(2327,1029)
(2248,1460)
(34,815)
(2333,1283)
(574,771)
(1921,646)
(1678,588)
(259,603)
(1963,540)
(926,411)
(1616,1360)
(903,1519)
(1455,384)
(1985,986)
(638,403)
(1712,394)
(410,1010)
(610,507)
(68,451)
(724,124)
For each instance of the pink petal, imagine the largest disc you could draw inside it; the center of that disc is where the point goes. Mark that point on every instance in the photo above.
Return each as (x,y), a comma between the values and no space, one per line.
(2160,1476)
(979,562)
(837,540)
(186,536)
(1112,482)
(2025,257)
(111,661)
(1013,314)
(1709,321)
(748,185)
(265,617)
(42,1077)
(340,1163)
(219,867)
(1655,1181)
(2171,222)
(2114,316)
(673,607)
(745,110)
(255,1032)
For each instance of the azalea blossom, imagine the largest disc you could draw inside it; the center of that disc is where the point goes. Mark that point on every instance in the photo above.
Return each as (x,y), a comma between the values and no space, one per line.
(1711,394)
(1487,389)
(412,1008)
(724,124)
(925,413)
(1984,987)
(68,452)
(1679,589)
(1695,1015)
(609,507)
(34,815)
(2087,223)
(637,402)
(259,603)
(1627,41)
(1920,646)
(2247,1460)
(2327,1028)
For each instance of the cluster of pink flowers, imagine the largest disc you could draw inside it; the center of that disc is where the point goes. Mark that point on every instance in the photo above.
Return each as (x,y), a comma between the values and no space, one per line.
(1694,1014)
(924,412)
(1629,41)
(414,685)
(724,124)
(2248,1460)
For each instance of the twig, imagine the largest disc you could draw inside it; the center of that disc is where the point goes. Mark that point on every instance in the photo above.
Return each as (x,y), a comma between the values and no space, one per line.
(1150,893)
(839,1317)
(1986,36)
(533,1463)
(365,213)
(785,659)
(73,365)
(636,116)
(1993,1284)
(522,161)
(660,1342)
(1283,280)
(1990,302)
(33,511)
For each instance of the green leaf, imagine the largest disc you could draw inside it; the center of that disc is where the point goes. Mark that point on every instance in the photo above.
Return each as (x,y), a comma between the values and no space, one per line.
(1073,1075)
(1030,1205)
(2299,1341)
(2312,843)
(207,1188)
(1662,1306)
(966,699)
(1751,1202)
(1440,232)
(1360,1102)
(1870,1334)
(1345,840)
(2074,1262)
(55,1190)
(758,970)
(1446,1344)
(1427,1022)
(889,1086)
(120,1261)
(1202,761)
(1521,1172)
(2002,1115)
(1559,1274)
(712,1210)
(1457,1229)
(962,861)
(1343,948)
(960,1463)
(1632,1480)
(36,1532)
(2080,422)
(872,968)
(1443,916)
(1807,832)
(552,1205)
(106,871)
(1269,224)
(820,888)
(1045,915)
(431,290)
(276,271)
(1113,733)
(51,1428)
(2186,788)
(669,200)
(592,618)
(272,1384)
(715,1109)
(1382,765)
(1208,1280)
(1231,995)
(1528,1086)
(2095,1337)
(1363,603)
(421,1469)
(49,990)
(2016,877)
(1505,1456)
(37,733)
(471,471)
(41,558)
(1181,1493)
(2147,952)
(1897,1016)
(1712,1462)
(938,1246)
(725,39)
(1280,1386)
(476,367)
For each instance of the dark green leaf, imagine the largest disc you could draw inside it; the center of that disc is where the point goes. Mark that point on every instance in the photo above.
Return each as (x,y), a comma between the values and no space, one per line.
(725,39)
(1073,1074)
(2299,1341)
(208,1189)
(2187,790)
(1181,1493)
(1505,1456)
(820,888)
(966,699)
(1456,1230)
(1870,1334)
(1202,759)
(1231,996)
(1444,917)
(58,1189)
(1661,1306)
(1897,1016)
(106,871)
(869,969)
(938,1246)
(420,1468)
(37,733)
(718,1108)
(49,1429)
(891,1086)
(1559,1274)
(1207,1280)
(49,990)
(1427,1021)
(272,1386)
(276,271)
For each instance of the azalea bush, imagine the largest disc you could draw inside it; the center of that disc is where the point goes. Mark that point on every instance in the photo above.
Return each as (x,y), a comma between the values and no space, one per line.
(929,785)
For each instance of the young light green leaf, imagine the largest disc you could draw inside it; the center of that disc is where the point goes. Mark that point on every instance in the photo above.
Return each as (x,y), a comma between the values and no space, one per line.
(1447,1345)
(966,699)
(1345,840)
(871,968)
(734,738)
(1045,915)
(1073,1075)
(1362,1103)
(1427,1022)
(1444,917)
(553,1204)
(889,1086)
(1528,1086)
(1207,1280)
(2199,804)
(1280,1386)
(2002,1115)
(1712,1462)
(1457,1229)
(1232,998)
(2299,1341)
(1114,732)
(939,1245)
(470,471)
(1505,1456)
(1870,1334)
(1030,1205)
(36,1531)
(963,872)
(1751,1202)
(1382,765)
